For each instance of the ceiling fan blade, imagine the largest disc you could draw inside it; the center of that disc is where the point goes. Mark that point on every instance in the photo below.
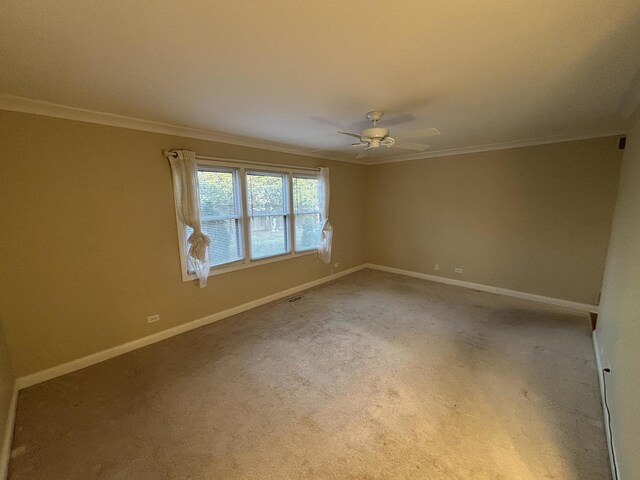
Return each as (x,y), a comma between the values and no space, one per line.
(363,153)
(397,120)
(388,142)
(334,148)
(327,121)
(412,146)
(424,132)
(355,135)
(325,136)
(359,144)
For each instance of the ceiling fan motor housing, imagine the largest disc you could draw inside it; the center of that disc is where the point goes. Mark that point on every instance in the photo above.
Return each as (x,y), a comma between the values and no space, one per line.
(375,132)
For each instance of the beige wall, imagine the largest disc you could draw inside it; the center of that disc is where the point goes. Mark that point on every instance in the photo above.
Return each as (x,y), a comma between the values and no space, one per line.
(533,219)
(92,249)
(89,246)
(618,332)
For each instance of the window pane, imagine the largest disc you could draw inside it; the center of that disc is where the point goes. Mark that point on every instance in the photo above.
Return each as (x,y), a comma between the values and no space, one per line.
(306,206)
(266,193)
(308,227)
(305,195)
(268,236)
(226,243)
(225,240)
(217,196)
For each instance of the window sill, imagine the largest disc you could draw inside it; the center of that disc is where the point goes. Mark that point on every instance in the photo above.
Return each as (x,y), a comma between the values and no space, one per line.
(242,264)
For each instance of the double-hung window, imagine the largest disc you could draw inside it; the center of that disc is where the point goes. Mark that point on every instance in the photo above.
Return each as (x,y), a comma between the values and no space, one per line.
(254,215)
(268,212)
(220,213)
(307,214)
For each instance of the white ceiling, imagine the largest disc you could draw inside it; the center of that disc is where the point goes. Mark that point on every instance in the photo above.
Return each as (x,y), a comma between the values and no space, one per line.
(294,72)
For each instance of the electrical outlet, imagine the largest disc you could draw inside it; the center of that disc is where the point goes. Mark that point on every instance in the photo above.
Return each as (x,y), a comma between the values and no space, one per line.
(336,265)
(458,270)
(153,318)
(436,267)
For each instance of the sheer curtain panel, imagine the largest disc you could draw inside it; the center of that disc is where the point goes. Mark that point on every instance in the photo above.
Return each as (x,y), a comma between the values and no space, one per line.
(326,234)
(185,188)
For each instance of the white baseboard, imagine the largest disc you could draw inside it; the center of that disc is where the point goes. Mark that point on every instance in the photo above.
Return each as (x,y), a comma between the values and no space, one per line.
(487,288)
(53,372)
(5,453)
(605,414)
(72,366)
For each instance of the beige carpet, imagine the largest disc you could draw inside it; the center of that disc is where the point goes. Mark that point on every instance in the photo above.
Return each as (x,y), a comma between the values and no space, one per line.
(374,376)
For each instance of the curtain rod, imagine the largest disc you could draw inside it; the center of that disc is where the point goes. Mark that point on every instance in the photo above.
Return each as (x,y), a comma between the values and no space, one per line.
(172,153)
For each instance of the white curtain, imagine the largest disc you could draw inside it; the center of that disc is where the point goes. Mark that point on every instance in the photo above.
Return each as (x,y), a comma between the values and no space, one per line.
(185,188)
(326,235)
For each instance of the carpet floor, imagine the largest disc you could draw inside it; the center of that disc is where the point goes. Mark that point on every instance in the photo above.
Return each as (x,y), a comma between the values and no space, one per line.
(373,376)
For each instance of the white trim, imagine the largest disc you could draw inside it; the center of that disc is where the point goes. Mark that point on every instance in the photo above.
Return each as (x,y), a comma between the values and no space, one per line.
(291,224)
(7,439)
(489,147)
(487,288)
(236,162)
(248,263)
(596,349)
(48,109)
(72,366)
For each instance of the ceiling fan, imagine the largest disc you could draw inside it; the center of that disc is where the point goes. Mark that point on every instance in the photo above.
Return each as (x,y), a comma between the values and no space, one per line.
(375,136)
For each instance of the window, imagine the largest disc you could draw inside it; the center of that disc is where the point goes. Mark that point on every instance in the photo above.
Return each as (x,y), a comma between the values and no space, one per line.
(268,210)
(254,215)
(220,214)
(307,214)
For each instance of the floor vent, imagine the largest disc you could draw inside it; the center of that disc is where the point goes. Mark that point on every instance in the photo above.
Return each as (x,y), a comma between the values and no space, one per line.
(295,299)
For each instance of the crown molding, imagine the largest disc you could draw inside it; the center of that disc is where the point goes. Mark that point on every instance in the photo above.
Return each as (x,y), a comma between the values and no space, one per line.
(48,109)
(39,107)
(495,146)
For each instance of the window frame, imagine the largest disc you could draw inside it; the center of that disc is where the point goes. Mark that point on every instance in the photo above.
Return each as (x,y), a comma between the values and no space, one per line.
(237,200)
(247,262)
(294,213)
(286,211)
